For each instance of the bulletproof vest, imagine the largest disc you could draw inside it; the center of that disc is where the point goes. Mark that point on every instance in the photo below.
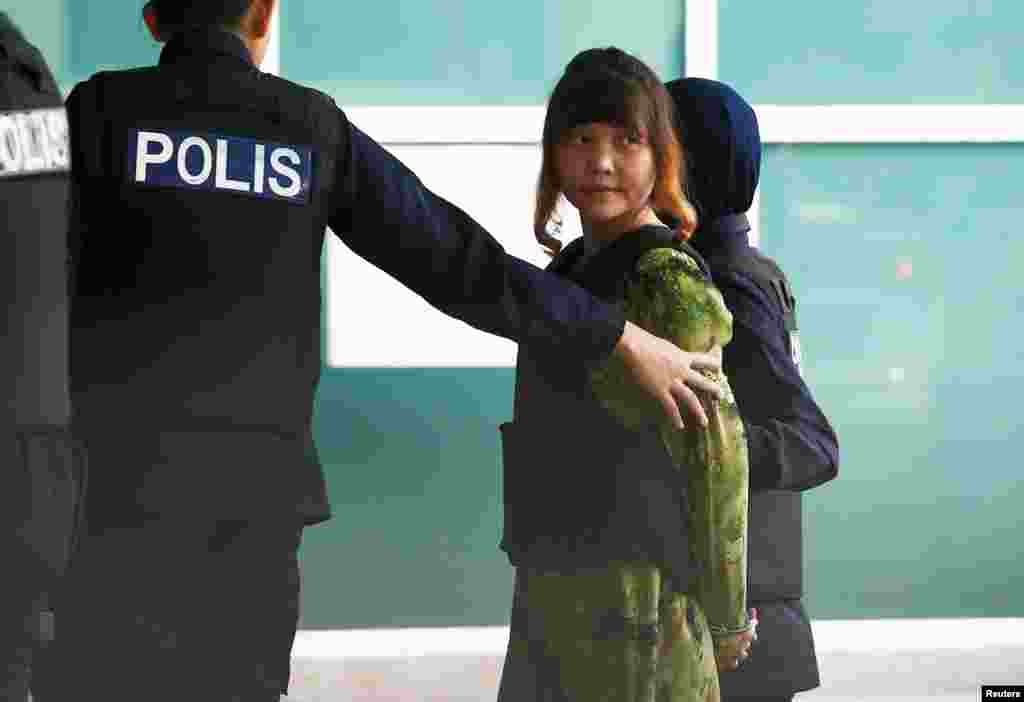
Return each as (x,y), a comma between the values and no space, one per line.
(196,323)
(608,273)
(41,466)
(775,537)
(34,164)
(579,489)
(767,275)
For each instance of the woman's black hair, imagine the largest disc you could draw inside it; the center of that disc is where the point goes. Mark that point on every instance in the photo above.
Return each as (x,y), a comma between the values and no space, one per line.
(601,85)
(611,86)
(174,15)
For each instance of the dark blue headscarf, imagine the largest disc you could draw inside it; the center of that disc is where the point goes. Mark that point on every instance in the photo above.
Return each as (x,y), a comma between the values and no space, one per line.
(719,134)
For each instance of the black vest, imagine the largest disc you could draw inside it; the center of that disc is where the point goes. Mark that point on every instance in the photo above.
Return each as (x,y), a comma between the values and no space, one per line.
(34,162)
(768,276)
(775,537)
(41,467)
(579,489)
(195,332)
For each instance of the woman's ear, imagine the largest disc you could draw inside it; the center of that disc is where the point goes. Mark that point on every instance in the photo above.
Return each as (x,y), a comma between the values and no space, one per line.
(152,24)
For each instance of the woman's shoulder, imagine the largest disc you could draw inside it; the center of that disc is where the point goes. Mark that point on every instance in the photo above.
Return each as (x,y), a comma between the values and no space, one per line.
(672,281)
(665,260)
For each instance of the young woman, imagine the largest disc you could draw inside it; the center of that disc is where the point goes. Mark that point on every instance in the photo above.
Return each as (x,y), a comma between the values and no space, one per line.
(629,536)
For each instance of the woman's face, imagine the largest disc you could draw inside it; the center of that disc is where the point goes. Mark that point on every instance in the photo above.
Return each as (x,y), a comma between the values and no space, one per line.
(607,172)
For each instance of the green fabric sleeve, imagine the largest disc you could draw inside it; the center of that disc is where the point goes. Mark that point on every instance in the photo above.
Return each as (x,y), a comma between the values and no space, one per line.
(669,297)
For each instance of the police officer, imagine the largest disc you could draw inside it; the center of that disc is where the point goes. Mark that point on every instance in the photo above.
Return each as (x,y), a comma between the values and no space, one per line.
(39,472)
(201,191)
(791,445)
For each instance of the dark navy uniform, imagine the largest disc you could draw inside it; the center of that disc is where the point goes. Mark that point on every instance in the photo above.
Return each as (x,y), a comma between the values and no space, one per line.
(40,475)
(202,189)
(791,445)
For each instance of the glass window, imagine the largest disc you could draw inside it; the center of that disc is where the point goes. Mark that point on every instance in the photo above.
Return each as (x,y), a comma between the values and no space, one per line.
(80,38)
(906,269)
(465,52)
(873,51)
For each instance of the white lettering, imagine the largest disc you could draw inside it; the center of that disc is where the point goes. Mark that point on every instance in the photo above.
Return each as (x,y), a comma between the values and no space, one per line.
(57,128)
(204,172)
(10,146)
(35,141)
(259,169)
(287,171)
(32,141)
(222,180)
(142,156)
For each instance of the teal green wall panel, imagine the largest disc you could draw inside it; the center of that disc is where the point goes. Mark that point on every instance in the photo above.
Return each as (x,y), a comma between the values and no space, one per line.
(79,38)
(462,52)
(906,267)
(414,473)
(873,51)
(106,35)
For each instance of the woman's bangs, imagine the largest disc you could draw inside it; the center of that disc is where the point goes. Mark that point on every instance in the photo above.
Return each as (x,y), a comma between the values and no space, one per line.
(602,99)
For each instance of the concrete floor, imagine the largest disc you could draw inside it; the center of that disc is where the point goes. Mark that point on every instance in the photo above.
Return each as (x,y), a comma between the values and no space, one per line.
(860,661)
(935,663)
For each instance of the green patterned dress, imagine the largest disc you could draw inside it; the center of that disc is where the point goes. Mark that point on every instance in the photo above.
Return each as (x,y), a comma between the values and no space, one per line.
(660,646)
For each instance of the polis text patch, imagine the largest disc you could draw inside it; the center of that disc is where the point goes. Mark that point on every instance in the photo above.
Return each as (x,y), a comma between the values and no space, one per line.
(220,162)
(34,141)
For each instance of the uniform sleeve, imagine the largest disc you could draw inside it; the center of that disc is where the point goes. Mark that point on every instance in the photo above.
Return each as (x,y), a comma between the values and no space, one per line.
(388,217)
(670,298)
(791,444)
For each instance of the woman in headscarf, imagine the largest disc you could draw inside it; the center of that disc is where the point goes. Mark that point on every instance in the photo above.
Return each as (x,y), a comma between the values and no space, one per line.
(790,444)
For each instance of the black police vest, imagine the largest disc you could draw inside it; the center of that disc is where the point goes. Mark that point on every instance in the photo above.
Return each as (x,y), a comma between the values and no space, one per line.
(775,539)
(197,311)
(767,275)
(41,466)
(34,164)
(579,489)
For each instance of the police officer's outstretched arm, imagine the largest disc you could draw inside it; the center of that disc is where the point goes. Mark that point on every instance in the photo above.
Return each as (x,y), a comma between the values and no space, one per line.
(387,216)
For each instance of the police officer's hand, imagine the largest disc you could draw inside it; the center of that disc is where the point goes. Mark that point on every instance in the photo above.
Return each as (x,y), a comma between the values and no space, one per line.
(668,374)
